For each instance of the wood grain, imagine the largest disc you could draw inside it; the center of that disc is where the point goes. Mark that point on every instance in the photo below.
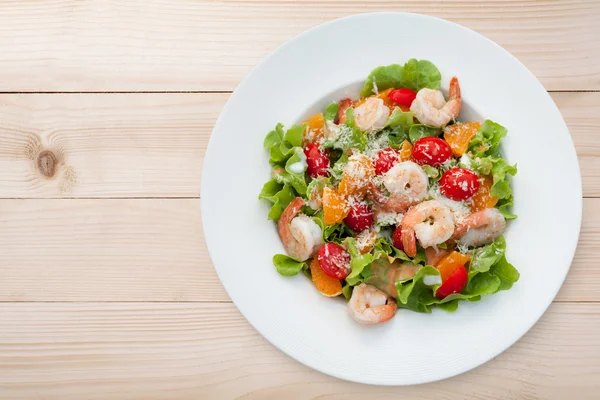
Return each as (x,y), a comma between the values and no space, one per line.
(110,145)
(158,45)
(208,351)
(154,250)
(152,145)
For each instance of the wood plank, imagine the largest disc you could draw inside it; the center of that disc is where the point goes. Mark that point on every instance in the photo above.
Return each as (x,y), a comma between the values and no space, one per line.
(105,250)
(580,111)
(152,145)
(110,145)
(154,250)
(208,351)
(156,45)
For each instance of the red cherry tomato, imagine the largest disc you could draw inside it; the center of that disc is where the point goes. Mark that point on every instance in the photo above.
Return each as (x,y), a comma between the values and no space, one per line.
(317,160)
(334,260)
(431,151)
(385,160)
(459,184)
(360,217)
(397,238)
(455,284)
(403,96)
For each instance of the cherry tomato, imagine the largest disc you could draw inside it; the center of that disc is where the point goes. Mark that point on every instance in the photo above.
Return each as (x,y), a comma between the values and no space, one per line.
(317,160)
(455,284)
(334,260)
(431,151)
(403,96)
(360,217)
(397,238)
(385,160)
(459,184)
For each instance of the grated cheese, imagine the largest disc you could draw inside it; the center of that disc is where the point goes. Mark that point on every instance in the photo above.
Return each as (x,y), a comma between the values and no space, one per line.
(460,210)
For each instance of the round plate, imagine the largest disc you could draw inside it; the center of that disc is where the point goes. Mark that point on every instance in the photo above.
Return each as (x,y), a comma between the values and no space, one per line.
(324,64)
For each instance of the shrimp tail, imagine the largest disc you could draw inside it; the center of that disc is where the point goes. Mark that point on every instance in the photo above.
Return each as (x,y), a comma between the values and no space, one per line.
(454,89)
(459,230)
(452,108)
(398,204)
(283,225)
(386,312)
(375,195)
(409,241)
(341,115)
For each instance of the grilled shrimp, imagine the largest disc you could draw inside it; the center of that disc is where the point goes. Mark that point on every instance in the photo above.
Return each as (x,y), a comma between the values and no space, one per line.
(480,228)
(407,184)
(430,221)
(300,235)
(371,115)
(369,305)
(431,108)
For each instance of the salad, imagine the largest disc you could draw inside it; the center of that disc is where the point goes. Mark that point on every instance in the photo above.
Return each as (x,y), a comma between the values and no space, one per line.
(391,200)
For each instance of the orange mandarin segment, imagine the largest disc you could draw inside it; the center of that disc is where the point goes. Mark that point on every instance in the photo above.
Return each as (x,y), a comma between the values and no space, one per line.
(406,151)
(357,174)
(459,136)
(315,124)
(482,199)
(450,263)
(335,208)
(383,95)
(365,241)
(325,284)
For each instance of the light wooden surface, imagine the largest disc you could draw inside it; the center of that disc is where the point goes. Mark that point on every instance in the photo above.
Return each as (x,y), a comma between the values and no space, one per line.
(106,287)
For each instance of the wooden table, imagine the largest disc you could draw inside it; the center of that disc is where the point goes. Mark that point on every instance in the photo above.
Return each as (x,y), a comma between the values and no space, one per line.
(106,287)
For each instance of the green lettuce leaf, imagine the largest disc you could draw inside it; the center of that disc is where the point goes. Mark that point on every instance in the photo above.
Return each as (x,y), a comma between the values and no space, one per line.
(286,265)
(348,137)
(501,187)
(419,74)
(331,111)
(415,75)
(279,194)
(284,150)
(485,159)
(432,172)
(419,131)
(350,121)
(399,118)
(297,180)
(487,140)
(347,291)
(499,169)
(489,272)
(274,137)
(359,261)
(384,77)
(398,126)
(484,257)
(414,294)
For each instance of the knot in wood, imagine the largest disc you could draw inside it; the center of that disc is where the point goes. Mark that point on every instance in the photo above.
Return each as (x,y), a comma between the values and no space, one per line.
(46,163)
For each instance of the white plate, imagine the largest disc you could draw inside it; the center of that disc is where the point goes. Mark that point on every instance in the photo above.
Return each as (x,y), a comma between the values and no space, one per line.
(319,66)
